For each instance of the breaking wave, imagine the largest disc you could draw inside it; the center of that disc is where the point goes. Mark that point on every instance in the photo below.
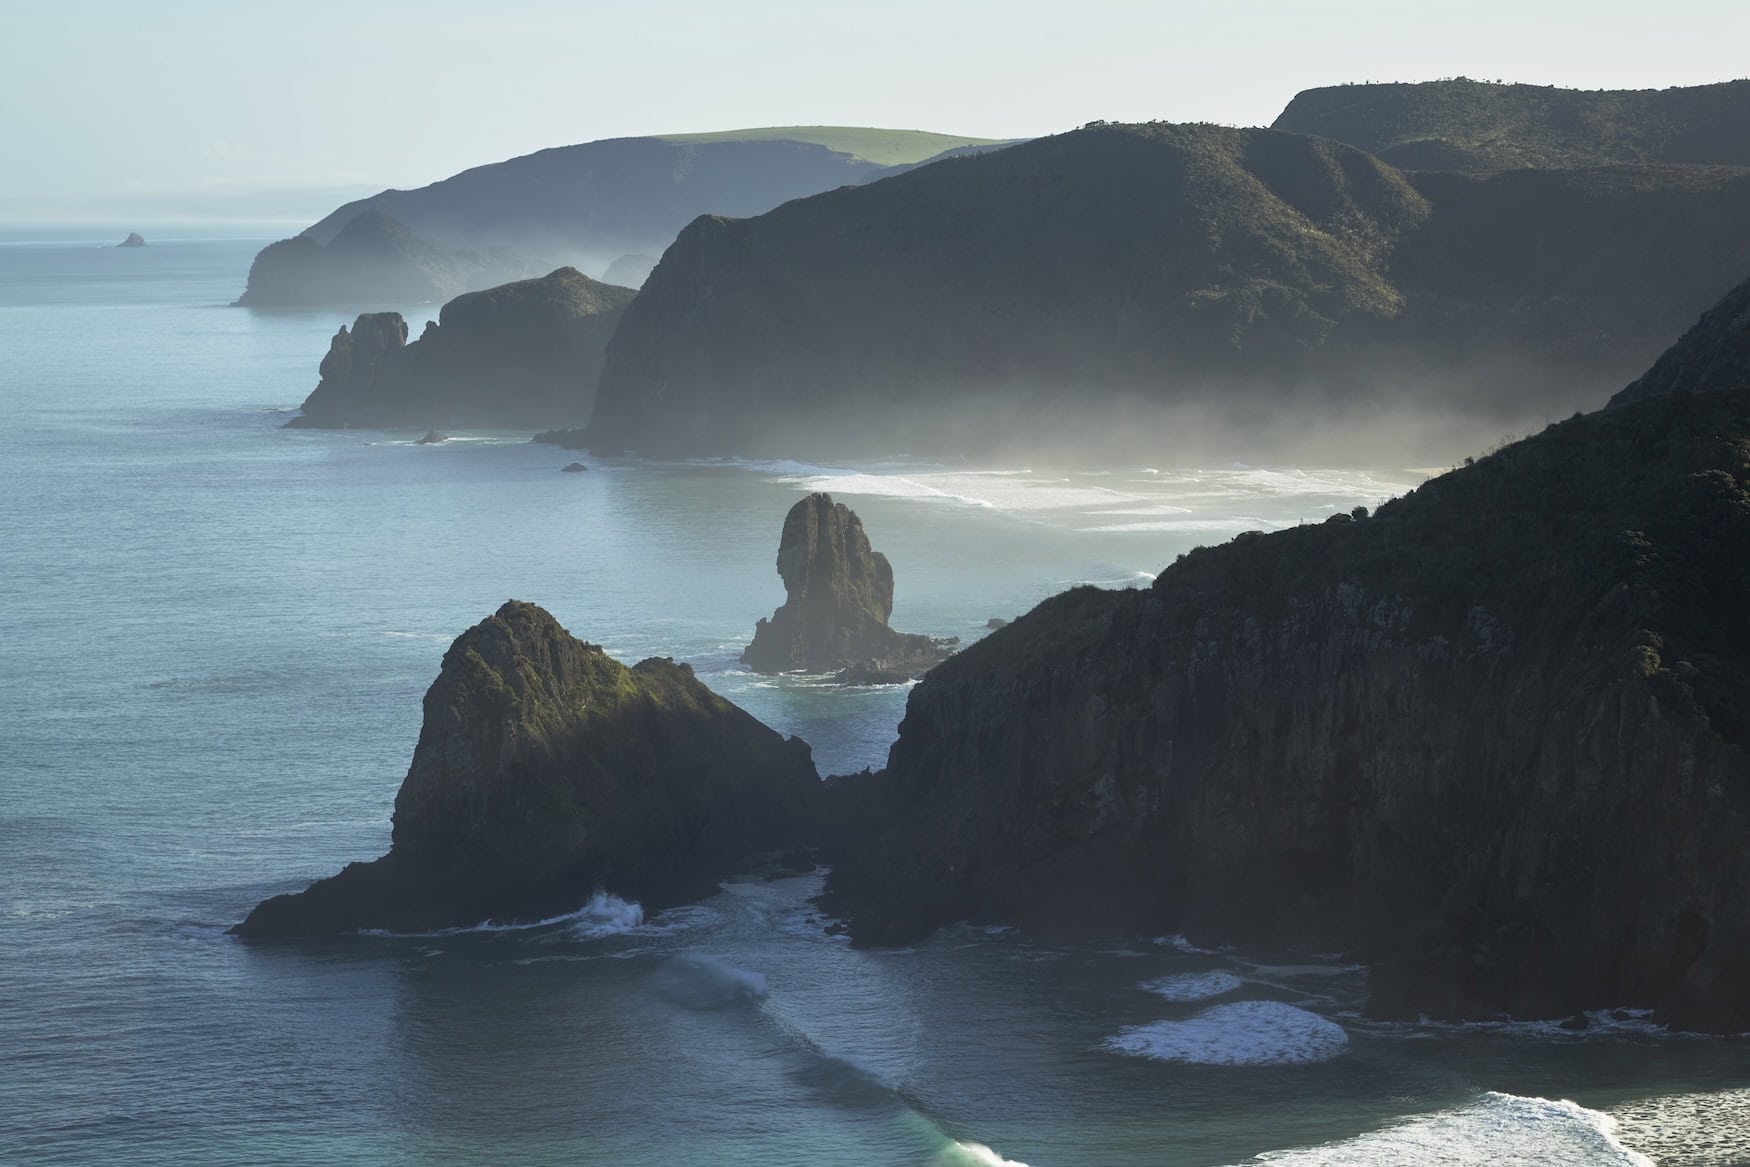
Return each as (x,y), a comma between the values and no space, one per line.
(1246,1033)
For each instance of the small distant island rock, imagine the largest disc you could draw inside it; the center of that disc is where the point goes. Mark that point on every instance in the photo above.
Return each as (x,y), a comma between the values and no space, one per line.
(133,240)
(574,468)
(838,597)
(432,438)
(545,771)
(523,354)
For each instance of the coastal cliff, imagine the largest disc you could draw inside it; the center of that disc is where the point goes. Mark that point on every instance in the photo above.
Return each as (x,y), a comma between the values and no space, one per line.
(546,770)
(838,596)
(524,354)
(373,259)
(1129,289)
(1490,740)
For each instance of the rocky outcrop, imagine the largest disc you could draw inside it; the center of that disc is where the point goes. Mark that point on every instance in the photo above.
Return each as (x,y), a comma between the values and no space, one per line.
(1712,356)
(133,240)
(546,770)
(525,354)
(1134,289)
(374,259)
(838,596)
(1461,124)
(1490,740)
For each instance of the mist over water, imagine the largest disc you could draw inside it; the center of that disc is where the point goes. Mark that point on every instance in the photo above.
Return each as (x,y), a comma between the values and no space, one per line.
(218,633)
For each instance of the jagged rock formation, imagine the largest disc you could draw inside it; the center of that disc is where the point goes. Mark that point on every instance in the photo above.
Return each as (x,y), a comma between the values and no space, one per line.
(838,596)
(584,205)
(1075,291)
(525,354)
(1711,357)
(133,240)
(545,770)
(1462,124)
(1491,740)
(374,259)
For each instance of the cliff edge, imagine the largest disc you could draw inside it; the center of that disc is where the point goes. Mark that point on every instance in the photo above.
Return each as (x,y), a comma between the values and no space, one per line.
(1490,740)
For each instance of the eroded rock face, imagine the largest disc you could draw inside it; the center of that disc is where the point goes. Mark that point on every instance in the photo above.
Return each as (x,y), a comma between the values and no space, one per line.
(1491,740)
(524,354)
(838,596)
(545,770)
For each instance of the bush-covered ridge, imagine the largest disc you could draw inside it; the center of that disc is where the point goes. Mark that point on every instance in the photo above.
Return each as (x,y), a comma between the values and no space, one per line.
(1461,124)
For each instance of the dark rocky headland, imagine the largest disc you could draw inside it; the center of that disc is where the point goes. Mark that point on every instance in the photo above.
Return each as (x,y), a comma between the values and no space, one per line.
(1491,740)
(524,354)
(546,770)
(1159,284)
(838,597)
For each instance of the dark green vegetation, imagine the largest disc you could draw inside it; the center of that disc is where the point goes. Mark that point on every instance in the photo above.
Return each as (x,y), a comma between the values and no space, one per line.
(524,354)
(838,596)
(582,205)
(546,770)
(1060,290)
(1711,357)
(374,259)
(1462,124)
(1491,739)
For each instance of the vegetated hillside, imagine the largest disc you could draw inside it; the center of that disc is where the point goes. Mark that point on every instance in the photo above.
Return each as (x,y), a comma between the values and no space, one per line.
(597,201)
(1711,357)
(1460,124)
(523,354)
(374,259)
(1491,740)
(1058,290)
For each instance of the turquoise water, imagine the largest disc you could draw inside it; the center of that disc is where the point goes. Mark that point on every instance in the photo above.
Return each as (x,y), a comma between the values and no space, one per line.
(216,636)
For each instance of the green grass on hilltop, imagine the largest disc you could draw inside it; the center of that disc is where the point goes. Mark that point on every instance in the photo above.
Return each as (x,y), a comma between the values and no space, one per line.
(867,143)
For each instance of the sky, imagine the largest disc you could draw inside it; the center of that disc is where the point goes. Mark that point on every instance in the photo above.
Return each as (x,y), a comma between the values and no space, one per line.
(194,107)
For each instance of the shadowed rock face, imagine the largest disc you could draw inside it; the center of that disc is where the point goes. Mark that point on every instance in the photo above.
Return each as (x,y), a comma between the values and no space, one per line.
(524,354)
(839,594)
(1491,740)
(1711,357)
(545,769)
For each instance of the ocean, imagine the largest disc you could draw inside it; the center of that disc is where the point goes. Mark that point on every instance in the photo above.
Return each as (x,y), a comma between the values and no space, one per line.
(216,636)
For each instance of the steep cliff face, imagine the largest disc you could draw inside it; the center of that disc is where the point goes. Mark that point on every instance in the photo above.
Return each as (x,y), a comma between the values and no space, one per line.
(1127,283)
(1460,124)
(1711,357)
(1490,740)
(545,769)
(373,259)
(838,596)
(525,354)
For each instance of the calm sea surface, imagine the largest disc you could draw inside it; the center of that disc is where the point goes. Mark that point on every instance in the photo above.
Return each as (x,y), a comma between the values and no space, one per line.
(215,637)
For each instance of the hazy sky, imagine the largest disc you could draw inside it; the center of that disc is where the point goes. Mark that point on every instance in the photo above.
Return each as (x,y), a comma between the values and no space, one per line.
(111,106)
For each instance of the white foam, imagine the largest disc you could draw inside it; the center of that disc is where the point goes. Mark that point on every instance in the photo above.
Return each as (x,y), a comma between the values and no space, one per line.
(1500,1130)
(606,915)
(1697,1130)
(1199,986)
(699,981)
(963,1153)
(1179,943)
(1246,1033)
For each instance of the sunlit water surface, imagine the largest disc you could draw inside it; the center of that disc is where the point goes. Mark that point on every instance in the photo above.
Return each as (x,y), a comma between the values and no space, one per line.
(217,632)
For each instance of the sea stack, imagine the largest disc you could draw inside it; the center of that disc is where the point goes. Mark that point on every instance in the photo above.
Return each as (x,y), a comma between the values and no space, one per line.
(838,596)
(133,240)
(546,770)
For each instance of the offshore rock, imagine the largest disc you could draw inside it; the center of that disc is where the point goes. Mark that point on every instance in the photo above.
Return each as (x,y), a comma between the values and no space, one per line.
(1490,740)
(838,596)
(1712,356)
(524,354)
(133,240)
(545,770)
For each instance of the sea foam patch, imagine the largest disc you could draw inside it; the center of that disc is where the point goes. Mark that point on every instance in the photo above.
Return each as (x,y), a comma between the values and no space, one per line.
(1198,986)
(1245,1033)
(1500,1130)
